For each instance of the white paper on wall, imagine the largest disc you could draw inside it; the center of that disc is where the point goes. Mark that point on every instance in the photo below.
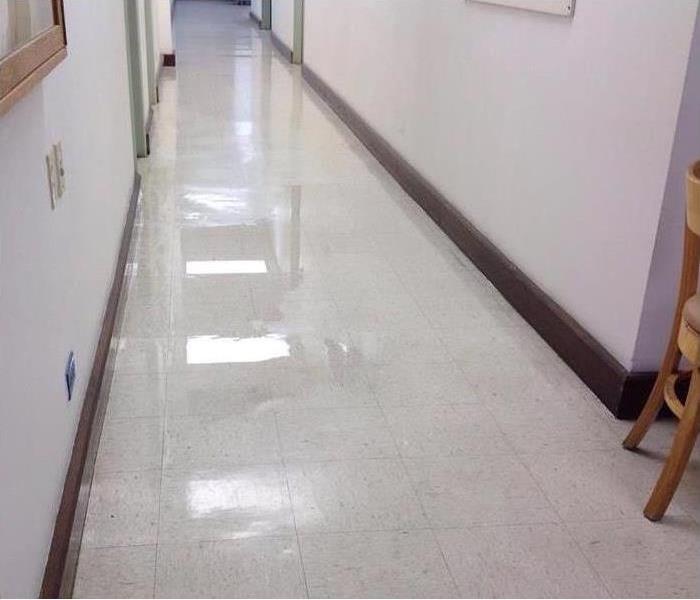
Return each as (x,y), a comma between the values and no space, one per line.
(554,7)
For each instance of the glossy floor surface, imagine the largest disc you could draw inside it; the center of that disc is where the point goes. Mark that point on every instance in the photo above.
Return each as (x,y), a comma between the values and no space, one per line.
(316,394)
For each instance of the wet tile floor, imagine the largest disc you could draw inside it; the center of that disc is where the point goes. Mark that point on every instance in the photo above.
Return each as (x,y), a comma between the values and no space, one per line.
(316,394)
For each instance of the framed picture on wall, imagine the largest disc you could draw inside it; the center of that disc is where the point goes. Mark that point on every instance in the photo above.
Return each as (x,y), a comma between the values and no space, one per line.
(32,42)
(565,8)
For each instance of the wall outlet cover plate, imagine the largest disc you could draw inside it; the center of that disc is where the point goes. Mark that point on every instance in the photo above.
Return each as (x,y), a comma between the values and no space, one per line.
(53,179)
(60,171)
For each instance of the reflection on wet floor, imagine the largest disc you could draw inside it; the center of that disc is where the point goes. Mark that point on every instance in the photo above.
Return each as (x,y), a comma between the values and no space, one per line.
(316,394)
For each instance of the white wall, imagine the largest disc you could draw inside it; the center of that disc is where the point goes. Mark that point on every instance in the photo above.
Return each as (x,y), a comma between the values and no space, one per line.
(283,21)
(56,268)
(662,284)
(553,136)
(165,27)
(256,8)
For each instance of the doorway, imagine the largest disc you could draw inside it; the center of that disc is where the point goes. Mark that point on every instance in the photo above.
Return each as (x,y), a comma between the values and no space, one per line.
(266,16)
(138,79)
(298,46)
(152,57)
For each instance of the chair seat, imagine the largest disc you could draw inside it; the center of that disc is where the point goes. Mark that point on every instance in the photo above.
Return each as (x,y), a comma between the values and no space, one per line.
(691,312)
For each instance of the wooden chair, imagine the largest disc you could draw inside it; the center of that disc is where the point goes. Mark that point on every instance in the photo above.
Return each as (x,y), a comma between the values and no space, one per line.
(684,342)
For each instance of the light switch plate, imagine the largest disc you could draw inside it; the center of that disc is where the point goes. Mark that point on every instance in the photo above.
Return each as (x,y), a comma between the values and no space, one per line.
(52,179)
(60,171)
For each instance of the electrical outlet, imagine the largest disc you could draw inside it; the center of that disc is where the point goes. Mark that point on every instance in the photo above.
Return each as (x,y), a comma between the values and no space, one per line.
(60,171)
(52,178)
(70,375)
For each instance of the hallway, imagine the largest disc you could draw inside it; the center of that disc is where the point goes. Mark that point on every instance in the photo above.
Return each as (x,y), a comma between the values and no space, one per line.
(316,394)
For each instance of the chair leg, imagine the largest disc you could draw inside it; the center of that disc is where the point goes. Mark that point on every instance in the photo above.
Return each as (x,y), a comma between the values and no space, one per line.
(656,399)
(688,285)
(677,460)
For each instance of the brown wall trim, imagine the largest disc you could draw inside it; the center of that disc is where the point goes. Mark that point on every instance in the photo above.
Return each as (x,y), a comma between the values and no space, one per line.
(27,84)
(283,49)
(62,560)
(622,392)
(169,60)
(256,18)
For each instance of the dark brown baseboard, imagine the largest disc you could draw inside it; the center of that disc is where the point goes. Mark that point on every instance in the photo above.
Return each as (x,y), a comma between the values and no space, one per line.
(621,391)
(635,390)
(62,560)
(255,18)
(169,60)
(283,49)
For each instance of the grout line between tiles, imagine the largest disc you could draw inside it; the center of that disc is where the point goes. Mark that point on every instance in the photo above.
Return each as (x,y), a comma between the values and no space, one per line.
(291,506)
(420,501)
(563,525)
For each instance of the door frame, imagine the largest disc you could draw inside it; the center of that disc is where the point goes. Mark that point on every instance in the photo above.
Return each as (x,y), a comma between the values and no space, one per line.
(298,45)
(150,54)
(266,16)
(133,56)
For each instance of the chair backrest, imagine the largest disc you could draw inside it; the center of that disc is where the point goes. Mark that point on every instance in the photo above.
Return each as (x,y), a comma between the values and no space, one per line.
(693,198)
(688,285)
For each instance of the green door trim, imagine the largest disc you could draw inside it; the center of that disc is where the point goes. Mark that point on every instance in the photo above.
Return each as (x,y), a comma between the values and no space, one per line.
(135,77)
(298,45)
(266,17)
(150,55)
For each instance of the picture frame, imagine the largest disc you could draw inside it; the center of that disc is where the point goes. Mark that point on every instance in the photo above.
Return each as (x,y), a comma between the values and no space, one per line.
(562,8)
(26,64)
